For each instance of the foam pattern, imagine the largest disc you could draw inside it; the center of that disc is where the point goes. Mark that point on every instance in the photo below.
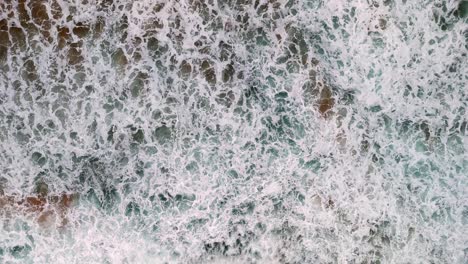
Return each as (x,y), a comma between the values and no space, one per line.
(237,131)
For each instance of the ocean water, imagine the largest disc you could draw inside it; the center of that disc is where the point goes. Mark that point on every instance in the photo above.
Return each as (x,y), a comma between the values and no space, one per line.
(236,131)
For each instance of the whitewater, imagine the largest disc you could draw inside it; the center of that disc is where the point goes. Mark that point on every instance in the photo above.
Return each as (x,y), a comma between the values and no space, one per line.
(233,131)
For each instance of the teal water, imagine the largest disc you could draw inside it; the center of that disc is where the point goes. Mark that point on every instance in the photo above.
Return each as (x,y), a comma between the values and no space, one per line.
(236,131)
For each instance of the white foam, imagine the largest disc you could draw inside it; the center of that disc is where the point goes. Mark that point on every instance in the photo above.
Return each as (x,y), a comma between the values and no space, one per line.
(202,164)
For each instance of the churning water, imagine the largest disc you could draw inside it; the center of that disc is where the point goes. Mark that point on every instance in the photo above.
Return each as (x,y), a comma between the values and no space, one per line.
(236,131)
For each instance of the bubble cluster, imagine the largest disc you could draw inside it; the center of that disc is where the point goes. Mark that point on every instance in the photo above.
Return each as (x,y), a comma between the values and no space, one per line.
(236,131)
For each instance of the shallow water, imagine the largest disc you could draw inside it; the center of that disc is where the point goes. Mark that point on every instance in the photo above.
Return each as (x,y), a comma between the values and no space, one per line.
(236,131)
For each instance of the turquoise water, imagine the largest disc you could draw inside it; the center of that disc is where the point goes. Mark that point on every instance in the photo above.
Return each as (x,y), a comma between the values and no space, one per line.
(243,131)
